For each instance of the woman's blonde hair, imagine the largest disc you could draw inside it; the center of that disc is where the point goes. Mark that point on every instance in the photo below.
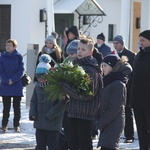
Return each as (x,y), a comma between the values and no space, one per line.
(57,50)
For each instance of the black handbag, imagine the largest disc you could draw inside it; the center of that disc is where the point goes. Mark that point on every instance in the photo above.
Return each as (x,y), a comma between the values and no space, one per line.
(26,80)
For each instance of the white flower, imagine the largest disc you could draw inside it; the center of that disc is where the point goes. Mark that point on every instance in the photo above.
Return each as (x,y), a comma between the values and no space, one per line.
(81,70)
(68,63)
(56,65)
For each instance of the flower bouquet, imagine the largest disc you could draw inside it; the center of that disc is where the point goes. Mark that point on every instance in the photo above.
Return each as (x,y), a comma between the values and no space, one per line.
(67,72)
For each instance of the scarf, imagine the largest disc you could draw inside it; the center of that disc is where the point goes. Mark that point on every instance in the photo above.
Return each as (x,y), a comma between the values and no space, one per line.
(108,79)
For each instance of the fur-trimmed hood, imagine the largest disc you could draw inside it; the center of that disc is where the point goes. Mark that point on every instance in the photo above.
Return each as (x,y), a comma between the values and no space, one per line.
(123,66)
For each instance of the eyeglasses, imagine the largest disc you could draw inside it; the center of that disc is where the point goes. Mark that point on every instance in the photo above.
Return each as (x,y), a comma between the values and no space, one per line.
(116,43)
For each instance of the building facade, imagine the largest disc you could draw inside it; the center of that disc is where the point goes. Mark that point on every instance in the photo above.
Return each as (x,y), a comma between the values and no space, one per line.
(20,20)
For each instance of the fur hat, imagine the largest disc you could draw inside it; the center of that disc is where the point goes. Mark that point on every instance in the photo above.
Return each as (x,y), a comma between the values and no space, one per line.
(145,34)
(111,60)
(72,47)
(74,30)
(43,66)
(119,39)
(52,38)
(101,36)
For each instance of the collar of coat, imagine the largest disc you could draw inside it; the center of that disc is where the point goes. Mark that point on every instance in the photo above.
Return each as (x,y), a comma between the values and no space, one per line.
(147,49)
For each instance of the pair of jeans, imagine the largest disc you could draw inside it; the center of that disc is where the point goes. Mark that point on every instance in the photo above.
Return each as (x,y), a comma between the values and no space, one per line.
(45,138)
(79,134)
(6,110)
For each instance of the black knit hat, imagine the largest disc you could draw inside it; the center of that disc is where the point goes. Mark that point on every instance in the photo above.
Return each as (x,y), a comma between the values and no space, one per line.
(145,34)
(74,30)
(111,60)
(101,36)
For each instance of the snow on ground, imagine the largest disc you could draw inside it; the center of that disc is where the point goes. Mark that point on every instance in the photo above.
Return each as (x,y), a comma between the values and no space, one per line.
(27,136)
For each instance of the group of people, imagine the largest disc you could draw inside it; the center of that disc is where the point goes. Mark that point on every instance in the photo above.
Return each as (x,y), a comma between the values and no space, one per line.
(119,83)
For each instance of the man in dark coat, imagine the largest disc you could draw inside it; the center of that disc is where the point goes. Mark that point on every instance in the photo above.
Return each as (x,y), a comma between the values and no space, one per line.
(119,45)
(140,90)
(101,46)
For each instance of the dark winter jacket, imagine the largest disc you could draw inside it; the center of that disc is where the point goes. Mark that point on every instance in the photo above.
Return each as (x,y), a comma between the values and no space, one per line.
(98,56)
(111,114)
(85,107)
(140,83)
(48,114)
(11,67)
(129,54)
(103,49)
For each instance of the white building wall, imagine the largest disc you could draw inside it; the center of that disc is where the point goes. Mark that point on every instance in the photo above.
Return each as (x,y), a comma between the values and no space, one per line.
(125,20)
(26,28)
(112,9)
(25,25)
(50,16)
(145,15)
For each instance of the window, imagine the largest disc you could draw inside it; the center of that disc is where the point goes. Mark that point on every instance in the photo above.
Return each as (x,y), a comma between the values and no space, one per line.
(4,25)
(111,30)
(62,22)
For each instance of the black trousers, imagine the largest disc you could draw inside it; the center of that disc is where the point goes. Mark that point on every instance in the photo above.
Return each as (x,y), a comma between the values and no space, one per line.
(6,110)
(79,134)
(47,138)
(129,128)
(142,118)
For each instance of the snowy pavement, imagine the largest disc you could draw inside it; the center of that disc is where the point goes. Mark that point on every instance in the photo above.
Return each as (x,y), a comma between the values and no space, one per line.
(26,139)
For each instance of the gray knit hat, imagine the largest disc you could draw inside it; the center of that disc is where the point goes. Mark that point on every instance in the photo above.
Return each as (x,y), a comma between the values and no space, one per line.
(52,38)
(119,39)
(72,47)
